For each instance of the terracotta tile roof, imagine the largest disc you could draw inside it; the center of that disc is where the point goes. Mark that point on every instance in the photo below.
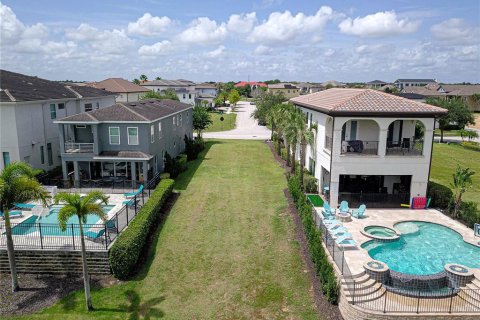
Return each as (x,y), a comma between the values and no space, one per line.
(364,102)
(143,110)
(118,85)
(252,83)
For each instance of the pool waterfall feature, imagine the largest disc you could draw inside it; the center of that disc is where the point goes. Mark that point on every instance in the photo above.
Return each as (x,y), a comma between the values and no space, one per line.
(426,258)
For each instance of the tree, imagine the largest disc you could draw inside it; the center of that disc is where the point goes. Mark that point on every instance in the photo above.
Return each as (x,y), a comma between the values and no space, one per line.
(220,99)
(136,81)
(234,97)
(291,135)
(458,113)
(167,94)
(76,205)
(158,78)
(18,185)
(201,120)
(462,179)
(264,102)
(143,78)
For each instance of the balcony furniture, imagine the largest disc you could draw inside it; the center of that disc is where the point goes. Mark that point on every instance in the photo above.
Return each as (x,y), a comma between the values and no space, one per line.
(24,206)
(12,214)
(352,146)
(360,212)
(133,194)
(344,206)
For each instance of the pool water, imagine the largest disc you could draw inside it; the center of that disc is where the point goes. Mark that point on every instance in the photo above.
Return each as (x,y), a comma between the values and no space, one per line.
(424,248)
(380,231)
(49,223)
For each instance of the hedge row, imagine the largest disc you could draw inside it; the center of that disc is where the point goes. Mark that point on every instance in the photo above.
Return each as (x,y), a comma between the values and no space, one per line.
(324,269)
(472,145)
(128,246)
(440,195)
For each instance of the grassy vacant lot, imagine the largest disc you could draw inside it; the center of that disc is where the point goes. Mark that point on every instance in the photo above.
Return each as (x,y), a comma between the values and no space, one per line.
(445,160)
(227,250)
(228,122)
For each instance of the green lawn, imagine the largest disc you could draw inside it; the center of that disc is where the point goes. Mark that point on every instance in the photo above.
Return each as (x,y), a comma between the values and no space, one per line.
(227,124)
(444,163)
(227,250)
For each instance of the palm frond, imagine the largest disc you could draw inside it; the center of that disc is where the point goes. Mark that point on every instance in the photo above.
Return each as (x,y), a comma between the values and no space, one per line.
(95,209)
(26,189)
(65,197)
(94,196)
(64,214)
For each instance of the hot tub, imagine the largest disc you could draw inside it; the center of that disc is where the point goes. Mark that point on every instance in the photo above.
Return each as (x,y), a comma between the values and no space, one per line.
(380,233)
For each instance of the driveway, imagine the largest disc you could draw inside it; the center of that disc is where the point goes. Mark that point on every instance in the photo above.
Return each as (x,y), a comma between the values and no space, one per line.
(246,128)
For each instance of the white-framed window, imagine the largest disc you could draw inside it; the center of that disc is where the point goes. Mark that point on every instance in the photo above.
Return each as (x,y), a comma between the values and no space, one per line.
(152,133)
(88,107)
(53,111)
(132,136)
(173,120)
(114,135)
(180,120)
(159,129)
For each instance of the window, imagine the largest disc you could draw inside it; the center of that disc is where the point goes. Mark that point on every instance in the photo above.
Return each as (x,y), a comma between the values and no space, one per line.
(180,120)
(88,107)
(114,134)
(49,154)
(53,112)
(97,105)
(159,130)
(189,96)
(80,126)
(61,106)
(152,133)
(6,158)
(173,120)
(184,96)
(132,136)
(42,155)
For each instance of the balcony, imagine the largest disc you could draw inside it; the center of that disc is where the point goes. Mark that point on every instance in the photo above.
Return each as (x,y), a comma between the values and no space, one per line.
(359,147)
(406,147)
(76,147)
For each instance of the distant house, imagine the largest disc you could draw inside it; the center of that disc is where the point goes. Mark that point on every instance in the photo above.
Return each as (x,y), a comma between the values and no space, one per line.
(426,91)
(28,108)
(333,83)
(184,89)
(375,84)
(252,84)
(464,91)
(403,83)
(206,89)
(126,91)
(306,87)
(289,90)
(125,140)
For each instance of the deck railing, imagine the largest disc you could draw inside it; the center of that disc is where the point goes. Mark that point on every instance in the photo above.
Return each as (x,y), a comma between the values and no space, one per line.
(406,147)
(76,147)
(360,147)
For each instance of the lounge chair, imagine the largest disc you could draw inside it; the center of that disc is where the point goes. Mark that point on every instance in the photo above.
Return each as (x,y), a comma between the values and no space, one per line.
(345,241)
(133,194)
(338,230)
(24,206)
(342,235)
(334,226)
(12,214)
(96,235)
(344,206)
(131,203)
(328,210)
(360,212)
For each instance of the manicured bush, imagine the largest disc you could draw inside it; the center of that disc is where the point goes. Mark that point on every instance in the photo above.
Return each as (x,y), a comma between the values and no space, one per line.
(440,195)
(469,213)
(182,162)
(310,183)
(193,147)
(127,248)
(283,153)
(471,145)
(324,268)
(165,175)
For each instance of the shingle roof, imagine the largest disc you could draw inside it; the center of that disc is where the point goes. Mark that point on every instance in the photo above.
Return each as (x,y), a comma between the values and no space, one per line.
(143,110)
(124,154)
(205,86)
(461,89)
(377,82)
(164,82)
(282,86)
(415,80)
(17,87)
(364,102)
(118,85)
(423,91)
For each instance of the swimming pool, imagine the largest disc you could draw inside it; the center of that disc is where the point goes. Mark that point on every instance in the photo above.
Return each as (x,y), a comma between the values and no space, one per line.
(49,223)
(424,248)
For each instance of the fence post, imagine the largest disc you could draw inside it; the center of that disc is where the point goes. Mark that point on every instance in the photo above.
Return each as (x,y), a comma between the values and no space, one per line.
(418,300)
(451,301)
(73,237)
(143,198)
(126,209)
(116,220)
(333,251)
(41,236)
(354,289)
(385,302)
(135,201)
(105,235)
(343,259)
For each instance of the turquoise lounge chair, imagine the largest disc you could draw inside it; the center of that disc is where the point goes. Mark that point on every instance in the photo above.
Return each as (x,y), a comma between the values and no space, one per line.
(92,235)
(338,230)
(333,226)
(133,194)
(328,209)
(345,241)
(344,206)
(12,214)
(342,235)
(24,206)
(360,212)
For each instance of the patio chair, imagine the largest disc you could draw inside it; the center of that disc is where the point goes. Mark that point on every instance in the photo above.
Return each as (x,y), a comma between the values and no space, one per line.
(12,214)
(328,210)
(345,241)
(97,235)
(334,226)
(342,234)
(360,212)
(131,203)
(24,206)
(344,206)
(133,194)
(338,230)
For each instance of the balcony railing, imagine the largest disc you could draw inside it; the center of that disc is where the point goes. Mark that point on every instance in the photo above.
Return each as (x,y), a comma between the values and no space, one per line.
(328,143)
(75,147)
(406,147)
(359,147)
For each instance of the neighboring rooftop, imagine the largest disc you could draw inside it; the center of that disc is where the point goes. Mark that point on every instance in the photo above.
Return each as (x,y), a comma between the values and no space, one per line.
(461,89)
(205,86)
(16,87)
(252,83)
(118,85)
(143,110)
(364,102)
(171,83)
(333,83)
(282,86)
(416,80)
(425,91)
(377,82)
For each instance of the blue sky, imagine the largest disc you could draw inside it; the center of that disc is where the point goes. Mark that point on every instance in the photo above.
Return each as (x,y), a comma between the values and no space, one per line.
(233,40)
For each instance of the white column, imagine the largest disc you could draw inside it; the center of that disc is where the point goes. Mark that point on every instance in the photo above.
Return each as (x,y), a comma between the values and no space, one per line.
(382,142)
(61,135)
(145,171)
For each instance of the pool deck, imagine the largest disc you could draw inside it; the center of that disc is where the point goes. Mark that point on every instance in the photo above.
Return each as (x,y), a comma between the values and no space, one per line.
(356,257)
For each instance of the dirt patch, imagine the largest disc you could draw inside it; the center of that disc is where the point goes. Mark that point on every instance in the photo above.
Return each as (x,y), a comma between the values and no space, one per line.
(324,308)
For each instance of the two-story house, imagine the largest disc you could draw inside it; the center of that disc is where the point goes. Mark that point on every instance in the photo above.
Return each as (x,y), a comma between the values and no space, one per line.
(123,141)
(370,147)
(28,108)
(289,90)
(403,83)
(126,91)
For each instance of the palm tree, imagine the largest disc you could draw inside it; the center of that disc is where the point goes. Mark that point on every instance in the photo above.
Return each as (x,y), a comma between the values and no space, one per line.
(462,179)
(143,77)
(136,81)
(294,122)
(18,185)
(306,137)
(75,205)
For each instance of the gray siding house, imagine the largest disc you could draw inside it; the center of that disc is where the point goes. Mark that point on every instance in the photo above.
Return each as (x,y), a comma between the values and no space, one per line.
(28,108)
(123,141)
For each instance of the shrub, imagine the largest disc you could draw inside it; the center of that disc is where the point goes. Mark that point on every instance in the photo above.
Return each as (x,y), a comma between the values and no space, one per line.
(193,147)
(283,153)
(324,269)
(181,162)
(165,175)
(174,166)
(310,183)
(469,213)
(439,194)
(471,145)
(128,246)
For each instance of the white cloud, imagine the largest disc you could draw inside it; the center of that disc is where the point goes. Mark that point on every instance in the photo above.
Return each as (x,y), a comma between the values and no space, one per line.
(148,25)
(107,41)
(455,31)
(216,53)
(373,48)
(329,52)
(263,50)
(281,28)
(158,49)
(10,27)
(242,23)
(204,31)
(378,25)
